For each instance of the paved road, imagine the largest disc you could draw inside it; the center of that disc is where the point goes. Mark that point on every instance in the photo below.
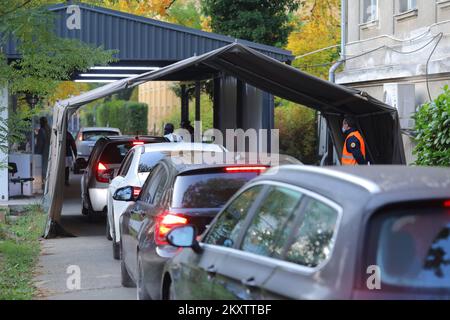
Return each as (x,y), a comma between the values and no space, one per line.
(90,250)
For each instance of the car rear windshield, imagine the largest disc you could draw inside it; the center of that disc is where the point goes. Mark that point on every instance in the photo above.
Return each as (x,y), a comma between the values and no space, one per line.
(95,135)
(148,160)
(208,190)
(115,152)
(412,247)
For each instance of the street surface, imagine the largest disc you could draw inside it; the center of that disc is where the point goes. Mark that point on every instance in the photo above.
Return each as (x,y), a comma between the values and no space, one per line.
(90,250)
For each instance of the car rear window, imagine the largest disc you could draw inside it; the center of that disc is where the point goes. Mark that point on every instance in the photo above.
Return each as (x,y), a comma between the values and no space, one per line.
(148,160)
(411,246)
(207,190)
(114,153)
(95,135)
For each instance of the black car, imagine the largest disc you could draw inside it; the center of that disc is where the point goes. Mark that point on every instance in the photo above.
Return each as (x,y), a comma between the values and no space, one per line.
(104,160)
(175,193)
(364,232)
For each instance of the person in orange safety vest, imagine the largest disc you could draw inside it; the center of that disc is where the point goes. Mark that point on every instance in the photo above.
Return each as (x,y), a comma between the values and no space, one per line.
(354,150)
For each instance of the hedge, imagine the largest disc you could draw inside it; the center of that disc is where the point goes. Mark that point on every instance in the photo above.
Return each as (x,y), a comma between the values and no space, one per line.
(130,117)
(433,131)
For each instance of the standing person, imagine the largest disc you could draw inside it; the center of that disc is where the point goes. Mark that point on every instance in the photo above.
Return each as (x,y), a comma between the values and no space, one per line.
(187,125)
(70,147)
(354,150)
(43,144)
(168,133)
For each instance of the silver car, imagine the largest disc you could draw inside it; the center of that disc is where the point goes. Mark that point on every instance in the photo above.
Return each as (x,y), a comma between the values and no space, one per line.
(85,141)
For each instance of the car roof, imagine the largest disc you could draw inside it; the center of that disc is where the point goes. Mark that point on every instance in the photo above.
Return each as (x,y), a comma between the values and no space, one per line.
(380,178)
(84,129)
(186,160)
(178,146)
(125,138)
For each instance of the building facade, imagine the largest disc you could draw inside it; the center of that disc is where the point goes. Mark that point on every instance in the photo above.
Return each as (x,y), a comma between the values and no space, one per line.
(399,52)
(161,101)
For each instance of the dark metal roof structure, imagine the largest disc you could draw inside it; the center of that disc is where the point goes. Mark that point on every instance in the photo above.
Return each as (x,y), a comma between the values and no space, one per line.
(142,41)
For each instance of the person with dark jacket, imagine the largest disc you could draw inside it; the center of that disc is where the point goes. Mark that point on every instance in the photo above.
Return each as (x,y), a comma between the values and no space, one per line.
(354,150)
(70,147)
(43,144)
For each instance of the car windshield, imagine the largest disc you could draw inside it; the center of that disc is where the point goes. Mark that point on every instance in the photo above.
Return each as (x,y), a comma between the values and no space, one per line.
(115,152)
(207,190)
(148,160)
(412,247)
(95,135)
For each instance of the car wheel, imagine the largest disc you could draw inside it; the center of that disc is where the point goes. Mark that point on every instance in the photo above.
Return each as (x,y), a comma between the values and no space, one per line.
(140,287)
(84,211)
(116,250)
(108,230)
(126,280)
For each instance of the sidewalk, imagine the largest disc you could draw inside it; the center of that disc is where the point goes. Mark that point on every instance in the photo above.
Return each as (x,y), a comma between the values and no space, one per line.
(89,250)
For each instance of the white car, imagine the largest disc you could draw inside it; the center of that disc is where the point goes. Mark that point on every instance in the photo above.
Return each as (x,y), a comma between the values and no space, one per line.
(132,174)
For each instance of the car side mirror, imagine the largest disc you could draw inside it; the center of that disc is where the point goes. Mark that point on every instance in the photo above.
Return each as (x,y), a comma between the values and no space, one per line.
(124,194)
(184,237)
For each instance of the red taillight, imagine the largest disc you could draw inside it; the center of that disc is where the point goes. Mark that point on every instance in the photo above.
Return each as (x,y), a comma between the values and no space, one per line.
(166,222)
(103,173)
(246,169)
(447,203)
(138,143)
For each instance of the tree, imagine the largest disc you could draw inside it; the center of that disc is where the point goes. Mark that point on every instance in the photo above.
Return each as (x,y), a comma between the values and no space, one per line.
(45,59)
(432,126)
(263,21)
(147,8)
(317,26)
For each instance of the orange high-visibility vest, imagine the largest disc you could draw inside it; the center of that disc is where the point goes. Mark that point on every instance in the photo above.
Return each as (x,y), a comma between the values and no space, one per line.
(347,157)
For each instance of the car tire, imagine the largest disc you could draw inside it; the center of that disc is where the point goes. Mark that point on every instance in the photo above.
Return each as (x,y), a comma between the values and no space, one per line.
(84,211)
(76,170)
(142,294)
(126,280)
(108,230)
(116,250)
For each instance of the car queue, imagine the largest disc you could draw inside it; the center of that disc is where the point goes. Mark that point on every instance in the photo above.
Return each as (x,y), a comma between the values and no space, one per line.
(189,230)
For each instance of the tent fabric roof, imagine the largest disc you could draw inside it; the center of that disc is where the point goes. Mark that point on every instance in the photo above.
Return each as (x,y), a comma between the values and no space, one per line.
(378,122)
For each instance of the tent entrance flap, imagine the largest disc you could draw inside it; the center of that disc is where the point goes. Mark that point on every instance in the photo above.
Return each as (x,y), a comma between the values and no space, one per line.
(378,122)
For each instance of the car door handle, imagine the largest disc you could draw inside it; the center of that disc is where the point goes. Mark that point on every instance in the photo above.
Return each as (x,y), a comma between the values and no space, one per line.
(249,282)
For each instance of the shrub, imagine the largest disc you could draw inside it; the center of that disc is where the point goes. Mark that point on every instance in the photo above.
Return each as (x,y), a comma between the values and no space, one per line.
(433,131)
(297,125)
(129,117)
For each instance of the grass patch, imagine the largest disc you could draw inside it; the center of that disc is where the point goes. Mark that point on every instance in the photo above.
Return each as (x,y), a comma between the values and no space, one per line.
(19,251)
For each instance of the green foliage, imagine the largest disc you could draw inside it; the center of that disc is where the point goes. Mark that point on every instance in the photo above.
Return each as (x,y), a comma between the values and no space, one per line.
(298,133)
(45,59)
(19,251)
(185,13)
(206,114)
(130,117)
(433,131)
(263,21)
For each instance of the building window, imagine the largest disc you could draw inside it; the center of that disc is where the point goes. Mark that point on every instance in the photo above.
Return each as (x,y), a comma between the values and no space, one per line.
(407,5)
(369,10)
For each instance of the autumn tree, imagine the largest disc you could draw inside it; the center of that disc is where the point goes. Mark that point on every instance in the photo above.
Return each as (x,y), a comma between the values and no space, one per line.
(317,26)
(263,21)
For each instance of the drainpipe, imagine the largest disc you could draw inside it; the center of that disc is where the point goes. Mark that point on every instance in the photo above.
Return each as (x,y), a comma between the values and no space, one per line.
(329,154)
